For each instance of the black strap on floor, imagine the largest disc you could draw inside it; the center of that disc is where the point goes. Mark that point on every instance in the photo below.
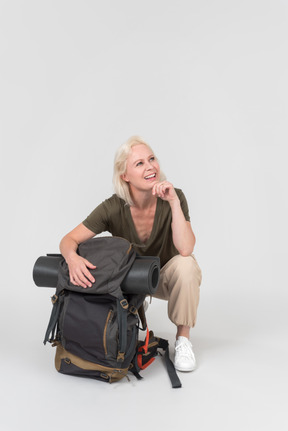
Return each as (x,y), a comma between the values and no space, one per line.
(175,381)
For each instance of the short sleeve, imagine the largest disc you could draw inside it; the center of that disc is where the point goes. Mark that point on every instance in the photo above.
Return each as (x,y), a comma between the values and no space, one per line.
(183,203)
(97,221)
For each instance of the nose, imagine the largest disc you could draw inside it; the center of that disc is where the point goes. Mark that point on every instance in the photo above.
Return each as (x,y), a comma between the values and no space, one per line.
(149,165)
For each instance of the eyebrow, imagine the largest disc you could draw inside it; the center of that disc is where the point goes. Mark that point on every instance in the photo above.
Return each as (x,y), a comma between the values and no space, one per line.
(140,160)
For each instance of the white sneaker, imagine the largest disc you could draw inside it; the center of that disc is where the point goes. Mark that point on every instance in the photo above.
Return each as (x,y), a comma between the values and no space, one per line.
(184,356)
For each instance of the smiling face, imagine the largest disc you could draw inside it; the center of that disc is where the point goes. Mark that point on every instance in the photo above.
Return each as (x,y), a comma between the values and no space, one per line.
(142,168)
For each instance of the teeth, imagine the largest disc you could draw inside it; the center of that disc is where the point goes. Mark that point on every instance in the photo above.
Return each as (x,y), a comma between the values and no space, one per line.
(150,176)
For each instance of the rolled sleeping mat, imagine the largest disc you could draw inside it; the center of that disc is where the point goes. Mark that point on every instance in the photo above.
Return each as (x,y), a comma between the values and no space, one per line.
(45,271)
(143,276)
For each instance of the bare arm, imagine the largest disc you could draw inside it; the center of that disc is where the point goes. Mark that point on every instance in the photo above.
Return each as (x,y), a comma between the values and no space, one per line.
(78,266)
(183,236)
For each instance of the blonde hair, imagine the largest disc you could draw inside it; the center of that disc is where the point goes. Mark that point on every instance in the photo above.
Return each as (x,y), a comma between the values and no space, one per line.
(121,187)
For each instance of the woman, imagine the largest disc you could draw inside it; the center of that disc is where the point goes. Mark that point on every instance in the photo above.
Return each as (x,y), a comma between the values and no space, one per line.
(149,212)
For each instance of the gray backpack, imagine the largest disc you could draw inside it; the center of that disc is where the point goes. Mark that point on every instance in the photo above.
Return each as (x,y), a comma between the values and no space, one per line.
(95,330)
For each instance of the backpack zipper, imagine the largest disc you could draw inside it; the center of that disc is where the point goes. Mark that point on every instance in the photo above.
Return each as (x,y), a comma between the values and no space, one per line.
(108,320)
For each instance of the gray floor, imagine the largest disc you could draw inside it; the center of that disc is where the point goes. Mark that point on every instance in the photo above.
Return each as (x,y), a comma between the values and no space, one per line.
(240,382)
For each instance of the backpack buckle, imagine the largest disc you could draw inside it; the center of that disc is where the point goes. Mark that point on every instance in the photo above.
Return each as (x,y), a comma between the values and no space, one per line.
(120,357)
(54,299)
(124,304)
(133,310)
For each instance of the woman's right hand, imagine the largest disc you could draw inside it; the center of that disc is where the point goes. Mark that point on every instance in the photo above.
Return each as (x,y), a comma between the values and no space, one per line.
(78,266)
(79,272)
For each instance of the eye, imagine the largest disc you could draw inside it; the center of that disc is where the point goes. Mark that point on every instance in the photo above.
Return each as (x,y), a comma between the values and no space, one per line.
(152,158)
(139,163)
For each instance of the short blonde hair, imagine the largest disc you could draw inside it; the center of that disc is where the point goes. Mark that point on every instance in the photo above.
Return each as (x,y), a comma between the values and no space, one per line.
(121,187)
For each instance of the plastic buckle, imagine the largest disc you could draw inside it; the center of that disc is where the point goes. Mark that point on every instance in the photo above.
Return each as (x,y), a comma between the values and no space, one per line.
(54,299)
(124,304)
(120,357)
(133,310)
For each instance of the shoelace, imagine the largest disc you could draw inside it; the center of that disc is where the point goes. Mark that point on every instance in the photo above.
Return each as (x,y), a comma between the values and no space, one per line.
(184,349)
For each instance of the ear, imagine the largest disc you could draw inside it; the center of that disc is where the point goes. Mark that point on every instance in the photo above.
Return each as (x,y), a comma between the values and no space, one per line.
(124,178)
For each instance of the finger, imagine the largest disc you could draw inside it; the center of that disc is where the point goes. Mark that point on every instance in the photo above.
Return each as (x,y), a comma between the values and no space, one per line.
(89,264)
(78,279)
(85,276)
(76,282)
(161,190)
(154,189)
(72,280)
(157,189)
(83,281)
(88,275)
(85,272)
(166,190)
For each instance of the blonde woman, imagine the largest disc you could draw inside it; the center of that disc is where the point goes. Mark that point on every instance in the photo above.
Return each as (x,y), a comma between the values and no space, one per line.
(148,211)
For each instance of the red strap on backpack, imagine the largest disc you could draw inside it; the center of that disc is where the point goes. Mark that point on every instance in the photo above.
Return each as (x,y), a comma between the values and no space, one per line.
(142,350)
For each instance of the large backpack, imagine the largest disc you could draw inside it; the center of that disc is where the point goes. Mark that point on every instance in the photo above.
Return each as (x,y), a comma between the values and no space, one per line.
(96,330)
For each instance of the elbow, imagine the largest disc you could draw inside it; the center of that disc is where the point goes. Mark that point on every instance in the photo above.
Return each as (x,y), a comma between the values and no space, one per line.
(63,239)
(188,249)
(67,240)
(186,252)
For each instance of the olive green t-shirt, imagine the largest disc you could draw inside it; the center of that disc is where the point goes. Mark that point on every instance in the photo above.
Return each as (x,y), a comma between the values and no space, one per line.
(113,215)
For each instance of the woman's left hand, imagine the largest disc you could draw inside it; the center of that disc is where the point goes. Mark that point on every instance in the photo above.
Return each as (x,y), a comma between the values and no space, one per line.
(165,191)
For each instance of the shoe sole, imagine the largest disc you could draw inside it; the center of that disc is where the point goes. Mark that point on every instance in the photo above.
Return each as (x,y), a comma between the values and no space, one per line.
(185,370)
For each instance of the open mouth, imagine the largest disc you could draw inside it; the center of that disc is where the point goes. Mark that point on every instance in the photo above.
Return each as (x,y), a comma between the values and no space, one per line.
(150,177)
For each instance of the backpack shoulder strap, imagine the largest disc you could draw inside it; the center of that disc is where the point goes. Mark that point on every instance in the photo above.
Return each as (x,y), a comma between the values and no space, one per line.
(57,302)
(122,307)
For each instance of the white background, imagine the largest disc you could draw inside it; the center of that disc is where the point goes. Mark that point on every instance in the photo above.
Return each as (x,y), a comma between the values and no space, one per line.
(205,83)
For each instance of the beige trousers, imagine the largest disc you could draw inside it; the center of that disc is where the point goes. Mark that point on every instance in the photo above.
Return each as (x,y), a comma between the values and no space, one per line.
(179,283)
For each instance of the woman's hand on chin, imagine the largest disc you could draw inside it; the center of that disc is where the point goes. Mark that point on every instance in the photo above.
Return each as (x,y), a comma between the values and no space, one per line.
(165,191)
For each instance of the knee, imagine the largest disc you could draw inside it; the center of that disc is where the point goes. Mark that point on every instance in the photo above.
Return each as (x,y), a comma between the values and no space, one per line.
(187,268)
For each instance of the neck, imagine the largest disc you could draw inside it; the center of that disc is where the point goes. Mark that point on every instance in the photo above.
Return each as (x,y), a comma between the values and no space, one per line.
(143,200)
